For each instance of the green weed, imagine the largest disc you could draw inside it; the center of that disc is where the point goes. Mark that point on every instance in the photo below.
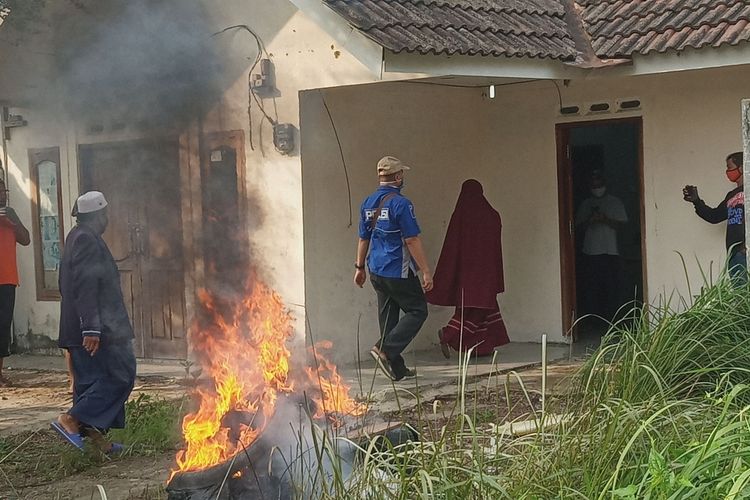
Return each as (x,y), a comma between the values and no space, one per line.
(659,412)
(152,426)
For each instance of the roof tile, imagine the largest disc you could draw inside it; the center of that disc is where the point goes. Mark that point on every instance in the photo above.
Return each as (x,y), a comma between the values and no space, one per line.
(543,28)
(622,28)
(532,28)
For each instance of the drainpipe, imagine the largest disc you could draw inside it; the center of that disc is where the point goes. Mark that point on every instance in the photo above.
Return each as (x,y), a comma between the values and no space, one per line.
(746,156)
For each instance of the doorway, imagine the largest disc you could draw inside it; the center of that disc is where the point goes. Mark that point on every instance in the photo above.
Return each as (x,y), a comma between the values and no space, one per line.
(140,180)
(225,236)
(601,231)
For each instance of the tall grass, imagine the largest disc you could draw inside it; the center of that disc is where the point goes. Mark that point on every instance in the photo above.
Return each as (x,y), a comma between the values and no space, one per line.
(660,411)
(151,425)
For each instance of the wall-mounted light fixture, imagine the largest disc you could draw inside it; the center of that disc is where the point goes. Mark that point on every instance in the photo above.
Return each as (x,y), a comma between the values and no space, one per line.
(491,92)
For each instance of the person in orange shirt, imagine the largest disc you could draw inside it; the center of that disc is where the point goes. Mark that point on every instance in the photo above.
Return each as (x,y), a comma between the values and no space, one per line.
(12,232)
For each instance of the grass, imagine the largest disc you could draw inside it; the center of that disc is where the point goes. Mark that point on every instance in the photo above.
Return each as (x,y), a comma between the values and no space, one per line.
(41,458)
(152,426)
(659,412)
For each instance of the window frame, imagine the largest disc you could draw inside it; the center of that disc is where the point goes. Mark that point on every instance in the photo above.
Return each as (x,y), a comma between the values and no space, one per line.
(36,157)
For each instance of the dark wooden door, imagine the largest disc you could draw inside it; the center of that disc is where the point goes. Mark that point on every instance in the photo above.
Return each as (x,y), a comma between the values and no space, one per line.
(225,238)
(567,229)
(141,183)
(573,163)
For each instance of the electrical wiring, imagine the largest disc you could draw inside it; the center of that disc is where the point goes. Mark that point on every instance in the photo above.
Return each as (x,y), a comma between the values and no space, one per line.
(261,50)
(453,85)
(559,94)
(341,152)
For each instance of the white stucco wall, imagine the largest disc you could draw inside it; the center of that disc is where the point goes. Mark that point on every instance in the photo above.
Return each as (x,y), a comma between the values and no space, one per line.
(691,121)
(301,237)
(304,56)
(32,316)
(430,128)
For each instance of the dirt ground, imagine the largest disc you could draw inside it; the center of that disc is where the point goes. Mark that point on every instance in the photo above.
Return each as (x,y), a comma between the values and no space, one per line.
(38,397)
(33,471)
(36,464)
(39,465)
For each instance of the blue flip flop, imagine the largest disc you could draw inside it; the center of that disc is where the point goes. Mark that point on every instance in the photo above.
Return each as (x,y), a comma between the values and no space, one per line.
(74,439)
(116,449)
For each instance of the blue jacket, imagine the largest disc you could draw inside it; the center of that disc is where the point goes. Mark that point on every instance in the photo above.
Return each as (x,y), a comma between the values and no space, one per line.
(91,296)
(389,256)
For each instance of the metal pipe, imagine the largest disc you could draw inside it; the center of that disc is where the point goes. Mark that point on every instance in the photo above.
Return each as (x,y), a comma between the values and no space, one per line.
(544,374)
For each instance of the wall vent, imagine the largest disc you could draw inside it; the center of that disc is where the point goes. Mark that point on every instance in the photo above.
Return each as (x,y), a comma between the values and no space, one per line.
(628,104)
(596,108)
(571,109)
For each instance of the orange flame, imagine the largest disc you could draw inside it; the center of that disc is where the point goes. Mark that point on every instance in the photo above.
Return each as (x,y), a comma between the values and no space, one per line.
(243,352)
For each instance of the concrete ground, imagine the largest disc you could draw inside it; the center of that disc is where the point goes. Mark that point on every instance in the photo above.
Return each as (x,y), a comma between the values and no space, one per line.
(41,390)
(435,372)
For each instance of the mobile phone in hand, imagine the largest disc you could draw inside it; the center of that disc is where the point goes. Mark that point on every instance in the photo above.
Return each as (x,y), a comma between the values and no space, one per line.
(690,193)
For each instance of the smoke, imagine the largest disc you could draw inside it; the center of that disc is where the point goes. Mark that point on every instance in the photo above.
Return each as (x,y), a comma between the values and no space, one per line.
(307,453)
(141,61)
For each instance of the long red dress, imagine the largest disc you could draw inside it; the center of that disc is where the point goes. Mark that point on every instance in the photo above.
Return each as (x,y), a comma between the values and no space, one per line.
(469,274)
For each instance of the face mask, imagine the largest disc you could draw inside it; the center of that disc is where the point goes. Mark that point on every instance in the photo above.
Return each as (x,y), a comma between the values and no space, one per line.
(734,174)
(599,192)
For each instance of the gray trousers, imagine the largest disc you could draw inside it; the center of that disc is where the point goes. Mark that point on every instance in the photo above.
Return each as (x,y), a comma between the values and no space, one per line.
(396,332)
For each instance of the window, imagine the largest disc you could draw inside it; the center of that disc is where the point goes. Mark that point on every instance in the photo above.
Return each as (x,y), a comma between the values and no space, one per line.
(46,208)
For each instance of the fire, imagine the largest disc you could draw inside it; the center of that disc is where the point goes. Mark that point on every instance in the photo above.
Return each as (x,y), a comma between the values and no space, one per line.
(334,397)
(243,353)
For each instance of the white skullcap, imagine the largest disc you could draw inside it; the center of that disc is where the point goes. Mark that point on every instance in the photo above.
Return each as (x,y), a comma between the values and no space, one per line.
(92,201)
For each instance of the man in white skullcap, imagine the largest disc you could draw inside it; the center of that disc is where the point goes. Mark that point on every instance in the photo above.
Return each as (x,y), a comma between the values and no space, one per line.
(95,329)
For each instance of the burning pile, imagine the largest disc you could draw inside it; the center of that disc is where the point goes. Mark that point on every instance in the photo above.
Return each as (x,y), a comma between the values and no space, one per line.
(244,357)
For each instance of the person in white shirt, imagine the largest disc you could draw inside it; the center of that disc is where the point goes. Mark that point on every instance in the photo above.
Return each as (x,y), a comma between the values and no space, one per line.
(600,216)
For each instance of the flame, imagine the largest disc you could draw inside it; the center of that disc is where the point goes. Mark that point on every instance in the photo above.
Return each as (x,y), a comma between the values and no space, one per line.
(243,353)
(334,397)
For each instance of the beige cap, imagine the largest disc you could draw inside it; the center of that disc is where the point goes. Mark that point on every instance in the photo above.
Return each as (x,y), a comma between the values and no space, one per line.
(87,203)
(390,165)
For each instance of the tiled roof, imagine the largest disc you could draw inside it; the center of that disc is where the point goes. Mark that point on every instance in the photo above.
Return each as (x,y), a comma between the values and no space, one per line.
(566,30)
(532,28)
(621,28)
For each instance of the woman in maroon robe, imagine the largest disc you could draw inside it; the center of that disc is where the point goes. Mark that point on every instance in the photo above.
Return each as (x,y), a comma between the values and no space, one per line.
(469,275)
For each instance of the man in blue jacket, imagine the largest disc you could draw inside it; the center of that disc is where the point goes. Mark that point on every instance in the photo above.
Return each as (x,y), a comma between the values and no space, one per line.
(388,230)
(95,329)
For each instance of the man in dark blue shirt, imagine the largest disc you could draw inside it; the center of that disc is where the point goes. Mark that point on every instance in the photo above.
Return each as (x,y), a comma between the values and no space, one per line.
(388,230)
(95,329)
(732,210)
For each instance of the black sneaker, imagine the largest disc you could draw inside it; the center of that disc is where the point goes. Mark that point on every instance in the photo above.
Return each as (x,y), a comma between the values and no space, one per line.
(444,348)
(382,360)
(408,373)
(400,369)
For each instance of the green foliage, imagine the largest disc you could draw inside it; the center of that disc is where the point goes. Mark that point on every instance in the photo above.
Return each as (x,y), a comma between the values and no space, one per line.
(659,412)
(152,426)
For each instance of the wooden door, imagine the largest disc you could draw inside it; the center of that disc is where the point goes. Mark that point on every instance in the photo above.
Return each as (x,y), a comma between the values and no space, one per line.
(583,157)
(225,238)
(141,183)
(567,229)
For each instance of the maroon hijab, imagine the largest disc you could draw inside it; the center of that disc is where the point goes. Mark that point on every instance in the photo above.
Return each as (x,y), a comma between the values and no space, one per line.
(472,256)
